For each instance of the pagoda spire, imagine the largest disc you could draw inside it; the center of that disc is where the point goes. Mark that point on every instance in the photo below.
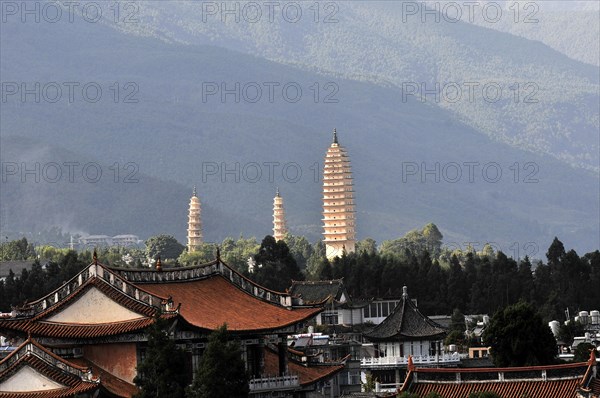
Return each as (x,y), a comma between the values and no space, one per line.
(194,231)
(279,224)
(338,202)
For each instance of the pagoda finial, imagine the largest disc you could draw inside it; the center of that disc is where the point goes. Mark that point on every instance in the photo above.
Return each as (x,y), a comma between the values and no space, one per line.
(335,140)
(404,292)
(95,257)
(277,192)
(195,194)
(158,264)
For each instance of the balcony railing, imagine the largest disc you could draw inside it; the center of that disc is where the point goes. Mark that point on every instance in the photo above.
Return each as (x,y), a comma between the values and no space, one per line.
(274,383)
(417,360)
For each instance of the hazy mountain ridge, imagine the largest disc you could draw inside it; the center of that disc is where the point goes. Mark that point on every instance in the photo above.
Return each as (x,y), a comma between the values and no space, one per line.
(171,132)
(370,42)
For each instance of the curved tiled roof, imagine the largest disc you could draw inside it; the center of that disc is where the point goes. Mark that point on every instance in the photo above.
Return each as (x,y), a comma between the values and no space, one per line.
(307,375)
(317,291)
(406,323)
(562,381)
(210,302)
(48,364)
(111,383)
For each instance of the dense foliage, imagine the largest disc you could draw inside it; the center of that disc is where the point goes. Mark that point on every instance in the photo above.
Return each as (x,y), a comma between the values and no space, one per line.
(221,372)
(471,282)
(162,372)
(518,336)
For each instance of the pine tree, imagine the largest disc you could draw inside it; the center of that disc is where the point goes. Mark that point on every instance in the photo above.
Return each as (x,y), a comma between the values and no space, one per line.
(162,372)
(221,372)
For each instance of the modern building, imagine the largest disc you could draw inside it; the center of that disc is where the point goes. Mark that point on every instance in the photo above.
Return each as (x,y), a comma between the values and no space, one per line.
(279,224)
(89,335)
(338,202)
(194,231)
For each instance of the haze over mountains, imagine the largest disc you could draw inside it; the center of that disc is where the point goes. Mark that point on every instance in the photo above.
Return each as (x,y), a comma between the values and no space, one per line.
(176,129)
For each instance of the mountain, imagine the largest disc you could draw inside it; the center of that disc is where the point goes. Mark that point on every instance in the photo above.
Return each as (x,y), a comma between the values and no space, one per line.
(176,130)
(524,92)
(558,24)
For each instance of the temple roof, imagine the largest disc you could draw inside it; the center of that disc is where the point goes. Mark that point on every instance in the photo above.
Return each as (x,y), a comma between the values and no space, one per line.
(406,323)
(307,375)
(33,371)
(109,382)
(209,303)
(319,291)
(212,294)
(95,303)
(534,382)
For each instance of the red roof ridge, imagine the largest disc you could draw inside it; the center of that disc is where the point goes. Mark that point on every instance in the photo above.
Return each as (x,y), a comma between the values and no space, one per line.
(32,341)
(81,289)
(504,370)
(93,277)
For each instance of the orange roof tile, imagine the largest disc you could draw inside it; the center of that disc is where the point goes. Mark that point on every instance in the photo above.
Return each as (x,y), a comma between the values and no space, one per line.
(558,381)
(307,375)
(210,302)
(108,381)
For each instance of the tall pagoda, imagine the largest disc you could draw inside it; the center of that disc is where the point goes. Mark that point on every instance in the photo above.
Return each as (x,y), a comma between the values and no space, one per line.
(279,224)
(338,201)
(194,232)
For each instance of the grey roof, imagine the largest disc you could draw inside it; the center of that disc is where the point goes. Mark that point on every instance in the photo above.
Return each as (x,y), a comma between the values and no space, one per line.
(406,323)
(318,291)
(16,265)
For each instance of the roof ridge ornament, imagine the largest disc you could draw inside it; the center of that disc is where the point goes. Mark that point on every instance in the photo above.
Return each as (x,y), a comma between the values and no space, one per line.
(404,292)
(158,264)
(95,257)
(218,254)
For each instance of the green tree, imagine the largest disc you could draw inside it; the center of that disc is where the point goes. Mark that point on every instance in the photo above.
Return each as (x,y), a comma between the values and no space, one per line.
(162,372)
(518,336)
(407,394)
(221,372)
(165,246)
(484,394)
(367,245)
(275,265)
(582,352)
(205,253)
(433,394)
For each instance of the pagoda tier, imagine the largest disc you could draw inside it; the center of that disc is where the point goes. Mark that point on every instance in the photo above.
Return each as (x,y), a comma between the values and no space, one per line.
(194,232)
(279,224)
(338,202)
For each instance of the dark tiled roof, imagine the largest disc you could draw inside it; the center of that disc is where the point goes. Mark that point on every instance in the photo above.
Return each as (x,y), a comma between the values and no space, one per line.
(318,291)
(406,323)
(307,375)
(48,364)
(533,382)
(210,302)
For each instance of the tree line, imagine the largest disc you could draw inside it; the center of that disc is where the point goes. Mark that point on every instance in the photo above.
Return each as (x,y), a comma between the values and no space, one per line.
(441,281)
